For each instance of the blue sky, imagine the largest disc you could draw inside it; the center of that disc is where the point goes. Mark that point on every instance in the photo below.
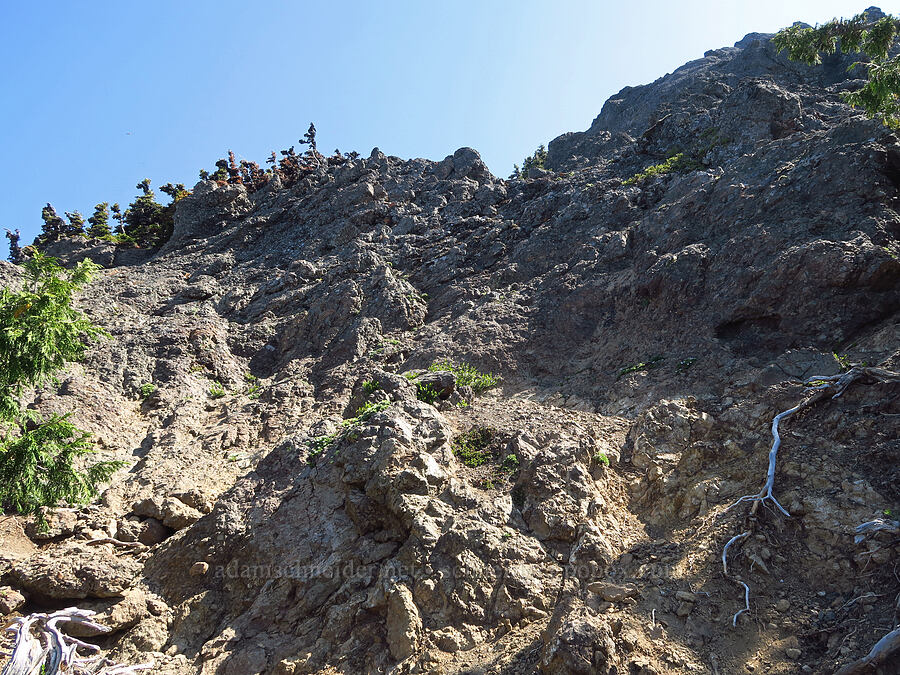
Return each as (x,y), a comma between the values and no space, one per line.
(101,94)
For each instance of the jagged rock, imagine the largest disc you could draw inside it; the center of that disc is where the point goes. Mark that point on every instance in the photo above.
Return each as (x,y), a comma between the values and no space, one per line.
(170,511)
(404,624)
(57,523)
(10,600)
(119,616)
(577,641)
(73,573)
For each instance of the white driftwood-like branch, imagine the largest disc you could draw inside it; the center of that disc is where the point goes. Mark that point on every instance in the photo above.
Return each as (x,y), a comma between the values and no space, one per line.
(820,386)
(885,652)
(42,647)
(878,525)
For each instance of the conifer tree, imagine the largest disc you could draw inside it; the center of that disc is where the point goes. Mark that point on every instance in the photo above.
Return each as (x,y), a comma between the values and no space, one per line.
(873,39)
(534,161)
(53,228)
(15,251)
(40,332)
(75,226)
(147,224)
(99,222)
(119,217)
(309,138)
(221,172)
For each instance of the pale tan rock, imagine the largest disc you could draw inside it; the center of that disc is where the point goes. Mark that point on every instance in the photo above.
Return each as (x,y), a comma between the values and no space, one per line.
(404,625)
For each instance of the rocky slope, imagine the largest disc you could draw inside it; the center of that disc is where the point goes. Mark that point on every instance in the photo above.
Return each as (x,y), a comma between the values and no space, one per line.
(646,333)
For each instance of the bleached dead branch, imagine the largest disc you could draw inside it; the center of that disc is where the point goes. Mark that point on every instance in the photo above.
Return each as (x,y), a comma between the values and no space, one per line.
(42,647)
(819,387)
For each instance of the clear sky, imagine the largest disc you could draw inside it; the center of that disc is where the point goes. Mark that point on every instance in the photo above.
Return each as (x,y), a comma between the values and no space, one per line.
(99,94)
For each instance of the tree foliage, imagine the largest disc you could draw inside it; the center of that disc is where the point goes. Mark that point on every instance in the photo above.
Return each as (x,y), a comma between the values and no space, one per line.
(40,332)
(536,161)
(146,222)
(99,222)
(15,251)
(880,96)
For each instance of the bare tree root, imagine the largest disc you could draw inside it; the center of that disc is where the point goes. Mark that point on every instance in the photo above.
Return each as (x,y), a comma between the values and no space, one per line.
(41,647)
(886,651)
(819,387)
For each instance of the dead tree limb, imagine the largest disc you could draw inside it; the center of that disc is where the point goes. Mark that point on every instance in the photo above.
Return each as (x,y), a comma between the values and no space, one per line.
(818,387)
(885,652)
(42,647)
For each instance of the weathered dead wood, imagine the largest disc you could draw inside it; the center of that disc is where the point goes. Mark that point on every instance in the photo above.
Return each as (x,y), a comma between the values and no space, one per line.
(819,387)
(42,647)
(885,652)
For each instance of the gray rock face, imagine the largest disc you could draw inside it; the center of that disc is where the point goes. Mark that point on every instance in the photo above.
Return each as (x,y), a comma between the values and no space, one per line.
(305,512)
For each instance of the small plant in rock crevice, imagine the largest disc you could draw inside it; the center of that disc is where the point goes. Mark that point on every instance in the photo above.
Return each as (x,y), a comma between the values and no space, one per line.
(147,390)
(677,162)
(426,393)
(601,458)
(466,375)
(349,430)
(649,364)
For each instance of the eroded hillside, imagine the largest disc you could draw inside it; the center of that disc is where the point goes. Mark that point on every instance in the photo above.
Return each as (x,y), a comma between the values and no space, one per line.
(646,331)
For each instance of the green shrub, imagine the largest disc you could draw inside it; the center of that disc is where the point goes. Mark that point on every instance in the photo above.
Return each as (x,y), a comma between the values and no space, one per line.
(601,458)
(473,447)
(40,332)
(216,390)
(371,386)
(147,390)
(679,162)
(651,363)
(510,463)
(426,393)
(536,160)
(364,413)
(466,375)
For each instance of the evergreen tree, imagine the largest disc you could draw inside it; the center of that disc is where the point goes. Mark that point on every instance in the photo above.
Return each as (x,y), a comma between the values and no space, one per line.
(234,173)
(75,225)
(53,228)
(15,251)
(40,332)
(873,39)
(535,161)
(221,172)
(147,223)
(99,222)
(309,138)
(119,217)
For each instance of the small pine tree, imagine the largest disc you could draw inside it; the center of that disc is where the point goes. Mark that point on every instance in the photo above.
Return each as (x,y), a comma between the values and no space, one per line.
(536,161)
(40,332)
(119,217)
(147,222)
(15,251)
(99,222)
(234,172)
(221,172)
(53,228)
(309,138)
(75,225)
